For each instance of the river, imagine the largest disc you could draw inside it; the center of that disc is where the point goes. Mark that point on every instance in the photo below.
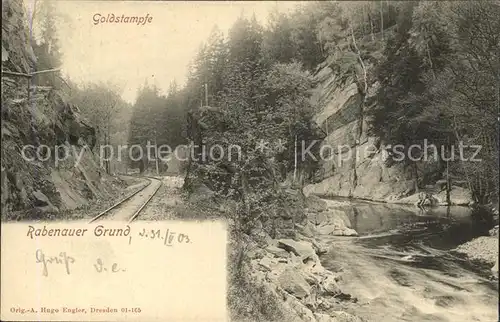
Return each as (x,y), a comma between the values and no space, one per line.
(402,267)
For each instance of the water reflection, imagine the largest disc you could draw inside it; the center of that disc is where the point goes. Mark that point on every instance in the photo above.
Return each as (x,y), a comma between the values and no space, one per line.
(440,227)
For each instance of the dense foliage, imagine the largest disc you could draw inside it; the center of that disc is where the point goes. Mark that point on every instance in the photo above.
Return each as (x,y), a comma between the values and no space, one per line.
(44,39)
(258,104)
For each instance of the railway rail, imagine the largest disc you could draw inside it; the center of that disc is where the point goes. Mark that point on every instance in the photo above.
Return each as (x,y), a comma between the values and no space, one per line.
(134,203)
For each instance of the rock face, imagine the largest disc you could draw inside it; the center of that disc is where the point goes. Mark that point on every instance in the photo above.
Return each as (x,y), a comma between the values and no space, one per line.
(17,54)
(294,283)
(355,164)
(40,183)
(328,218)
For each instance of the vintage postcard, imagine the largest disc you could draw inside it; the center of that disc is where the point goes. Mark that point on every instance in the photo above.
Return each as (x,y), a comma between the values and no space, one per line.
(250,160)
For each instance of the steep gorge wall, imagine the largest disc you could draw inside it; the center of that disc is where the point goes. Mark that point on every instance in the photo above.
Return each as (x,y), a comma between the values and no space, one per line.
(41,117)
(355,164)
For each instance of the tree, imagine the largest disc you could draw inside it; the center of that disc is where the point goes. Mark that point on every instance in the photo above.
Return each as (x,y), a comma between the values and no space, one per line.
(277,44)
(440,82)
(46,47)
(102,105)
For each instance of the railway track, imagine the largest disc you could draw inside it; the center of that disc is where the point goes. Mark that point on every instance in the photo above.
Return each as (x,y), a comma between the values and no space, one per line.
(131,206)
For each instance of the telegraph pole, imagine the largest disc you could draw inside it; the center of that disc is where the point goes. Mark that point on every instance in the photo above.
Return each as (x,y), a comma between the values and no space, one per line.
(206,94)
(156,156)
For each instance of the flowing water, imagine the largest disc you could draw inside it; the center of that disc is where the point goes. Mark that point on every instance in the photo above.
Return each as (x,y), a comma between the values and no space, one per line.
(402,267)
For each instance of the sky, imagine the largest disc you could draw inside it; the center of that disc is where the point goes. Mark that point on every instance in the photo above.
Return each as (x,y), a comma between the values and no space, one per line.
(158,52)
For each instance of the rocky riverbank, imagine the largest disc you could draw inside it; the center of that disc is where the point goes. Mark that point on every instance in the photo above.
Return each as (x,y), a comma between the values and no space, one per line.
(433,195)
(290,273)
(290,270)
(484,248)
(299,275)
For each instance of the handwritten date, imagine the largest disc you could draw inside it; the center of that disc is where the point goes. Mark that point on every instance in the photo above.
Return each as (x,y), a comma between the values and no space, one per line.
(169,237)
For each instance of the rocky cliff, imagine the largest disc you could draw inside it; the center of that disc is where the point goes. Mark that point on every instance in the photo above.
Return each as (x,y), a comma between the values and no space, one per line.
(46,162)
(355,164)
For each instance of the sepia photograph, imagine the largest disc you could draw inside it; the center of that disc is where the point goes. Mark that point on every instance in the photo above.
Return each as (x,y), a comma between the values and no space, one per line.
(318,161)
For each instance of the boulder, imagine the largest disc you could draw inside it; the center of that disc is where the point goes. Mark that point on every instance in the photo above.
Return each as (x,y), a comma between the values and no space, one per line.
(311,261)
(42,203)
(41,199)
(494,269)
(295,261)
(256,253)
(307,230)
(201,193)
(266,263)
(336,213)
(494,231)
(294,283)
(324,304)
(340,316)
(316,269)
(329,286)
(263,239)
(277,268)
(315,204)
(337,230)
(302,249)
(302,313)
(441,198)
(458,196)
(310,278)
(277,252)
(319,248)
(347,232)
(318,219)
(326,230)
